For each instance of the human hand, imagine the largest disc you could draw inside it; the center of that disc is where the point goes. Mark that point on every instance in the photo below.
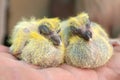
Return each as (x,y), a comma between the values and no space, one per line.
(13,69)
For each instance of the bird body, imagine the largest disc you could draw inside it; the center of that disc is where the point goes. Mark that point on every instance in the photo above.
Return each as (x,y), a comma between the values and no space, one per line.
(87,44)
(42,44)
(48,42)
(43,52)
(20,34)
(81,53)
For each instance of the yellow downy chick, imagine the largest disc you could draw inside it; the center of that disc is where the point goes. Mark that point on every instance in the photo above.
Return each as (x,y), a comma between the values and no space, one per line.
(86,47)
(44,46)
(20,35)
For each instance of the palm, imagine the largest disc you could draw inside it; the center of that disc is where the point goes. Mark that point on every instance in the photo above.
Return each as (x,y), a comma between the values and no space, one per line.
(12,69)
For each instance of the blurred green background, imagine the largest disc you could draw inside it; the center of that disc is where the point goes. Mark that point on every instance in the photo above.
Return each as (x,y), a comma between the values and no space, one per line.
(104,12)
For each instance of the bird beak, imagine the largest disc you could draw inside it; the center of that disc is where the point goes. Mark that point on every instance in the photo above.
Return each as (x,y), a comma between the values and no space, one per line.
(87,35)
(55,38)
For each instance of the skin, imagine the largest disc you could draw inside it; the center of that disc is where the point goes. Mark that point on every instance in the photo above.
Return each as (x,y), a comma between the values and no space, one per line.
(13,69)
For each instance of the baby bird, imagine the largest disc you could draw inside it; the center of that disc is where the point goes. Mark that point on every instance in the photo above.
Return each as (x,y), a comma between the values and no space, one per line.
(20,35)
(87,44)
(39,43)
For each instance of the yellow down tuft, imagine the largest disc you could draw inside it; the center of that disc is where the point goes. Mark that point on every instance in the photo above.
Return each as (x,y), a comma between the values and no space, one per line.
(72,21)
(53,23)
(35,35)
(82,18)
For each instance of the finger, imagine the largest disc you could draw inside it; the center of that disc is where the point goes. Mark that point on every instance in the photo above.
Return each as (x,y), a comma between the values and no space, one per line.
(115,42)
(81,74)
(30,65)
(7,55)
(14,70)
(106,73)
(66,72)
(117,49)
(57,73)
(3,48)
(4,51)
(114,62)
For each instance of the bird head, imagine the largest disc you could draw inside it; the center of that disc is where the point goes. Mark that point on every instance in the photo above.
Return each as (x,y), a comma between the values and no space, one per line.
(49,28)
(80,27)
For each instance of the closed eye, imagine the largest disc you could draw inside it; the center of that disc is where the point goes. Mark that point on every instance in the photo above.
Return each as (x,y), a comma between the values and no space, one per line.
(43,29)
(74,30)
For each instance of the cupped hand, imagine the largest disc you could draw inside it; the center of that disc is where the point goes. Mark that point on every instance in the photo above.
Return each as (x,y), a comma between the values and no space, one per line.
(13,69)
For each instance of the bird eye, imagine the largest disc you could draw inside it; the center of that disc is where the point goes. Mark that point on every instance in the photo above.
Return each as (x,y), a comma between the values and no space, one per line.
(43,29)
(87,34)
(73,30)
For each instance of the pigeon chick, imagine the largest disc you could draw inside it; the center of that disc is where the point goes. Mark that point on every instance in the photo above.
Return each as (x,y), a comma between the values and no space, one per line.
(43,46)
(86,43)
